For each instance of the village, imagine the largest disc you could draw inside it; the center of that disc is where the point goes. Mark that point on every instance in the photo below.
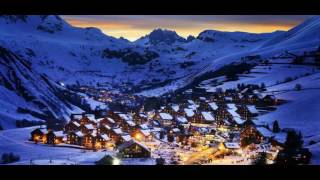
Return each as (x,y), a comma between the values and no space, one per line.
(191,127)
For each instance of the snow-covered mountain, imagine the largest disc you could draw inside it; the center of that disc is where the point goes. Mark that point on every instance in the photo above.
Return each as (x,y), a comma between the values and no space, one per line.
(158,36)
(155,64)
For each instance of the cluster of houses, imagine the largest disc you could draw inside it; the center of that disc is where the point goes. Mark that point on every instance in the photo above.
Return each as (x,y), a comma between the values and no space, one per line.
(126,131)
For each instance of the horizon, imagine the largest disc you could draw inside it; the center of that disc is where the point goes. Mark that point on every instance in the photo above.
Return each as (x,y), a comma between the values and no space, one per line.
(133,27)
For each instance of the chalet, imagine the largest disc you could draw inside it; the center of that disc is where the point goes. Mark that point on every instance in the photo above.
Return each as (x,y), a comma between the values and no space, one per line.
(89,140)
(134,149)
(75,138)
(207,117)
(248,111)
(140,118)
(91,118)
(107,121)
(270,100)
(87,128)
(102,141)
(115,134)
(165,119)
(125,138)
(254,98)
(72,126)
(39,134)
(142,135)
(128,126)
(256,135)
(55,137)
(76,117)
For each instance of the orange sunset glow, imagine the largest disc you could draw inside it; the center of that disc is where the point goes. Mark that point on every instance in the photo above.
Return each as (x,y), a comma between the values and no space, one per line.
(133,27)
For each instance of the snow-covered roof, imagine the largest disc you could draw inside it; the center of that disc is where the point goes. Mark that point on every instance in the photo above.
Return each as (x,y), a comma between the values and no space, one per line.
(207,116)
(105,137)
(232,145)
(193,106)
(213,106)
(117,130)
(94,133)
(244,90)
(238,120)
(131,123)
(131,142)
(145,132)
(232,106)
(233,113)
(227,98)
(126,137)
(175,108)
(79,134)
(252,109)
(202,98)
(182,119)
(175,130)
(76,123)
(77,116)
(111,120)
(44,131)
(58,133)
(89,126)
(90,117)
(165,116)
(189,112)
(143,115)
(125,117)
(191,102)
(107,127)
(144,126)
(265,132)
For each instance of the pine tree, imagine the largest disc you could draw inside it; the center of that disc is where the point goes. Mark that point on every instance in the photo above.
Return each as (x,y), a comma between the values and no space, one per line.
(276,127)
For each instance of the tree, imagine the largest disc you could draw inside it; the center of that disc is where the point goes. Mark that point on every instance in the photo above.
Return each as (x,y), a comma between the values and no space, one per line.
(263,86)
(106,160)
(298,87)
(293,149)
(170,137)
(261,159)
(160,161)
(275,127)
(9,158)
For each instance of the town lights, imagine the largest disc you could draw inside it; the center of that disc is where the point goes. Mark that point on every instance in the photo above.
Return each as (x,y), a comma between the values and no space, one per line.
(138,136)
(116,161)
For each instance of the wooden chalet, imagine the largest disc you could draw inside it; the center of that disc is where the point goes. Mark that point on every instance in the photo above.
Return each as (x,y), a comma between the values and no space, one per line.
(75,138)
(55,137)
(72,126)
(134,149)
(39,134)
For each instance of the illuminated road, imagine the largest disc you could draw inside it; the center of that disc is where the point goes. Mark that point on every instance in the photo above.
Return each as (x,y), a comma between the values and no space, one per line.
(198,156)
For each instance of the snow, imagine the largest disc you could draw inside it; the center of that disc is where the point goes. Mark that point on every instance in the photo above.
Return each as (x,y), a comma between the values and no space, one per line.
(131,123)
(145,132)
(58,133)
(265,132)
(16,141)
(105,137)
(238,120)
(175,108)
(213,106)
(165,116)
(76,123)
(231,145)
(79,134)
(207,116)
(232,106)
(252,109)
(125,117)
(89,126)
(182,120)
(189,112)
(117,130)
(126,137)
(144,126)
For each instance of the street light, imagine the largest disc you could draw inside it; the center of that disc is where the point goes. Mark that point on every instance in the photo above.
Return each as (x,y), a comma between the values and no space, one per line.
(116,161)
